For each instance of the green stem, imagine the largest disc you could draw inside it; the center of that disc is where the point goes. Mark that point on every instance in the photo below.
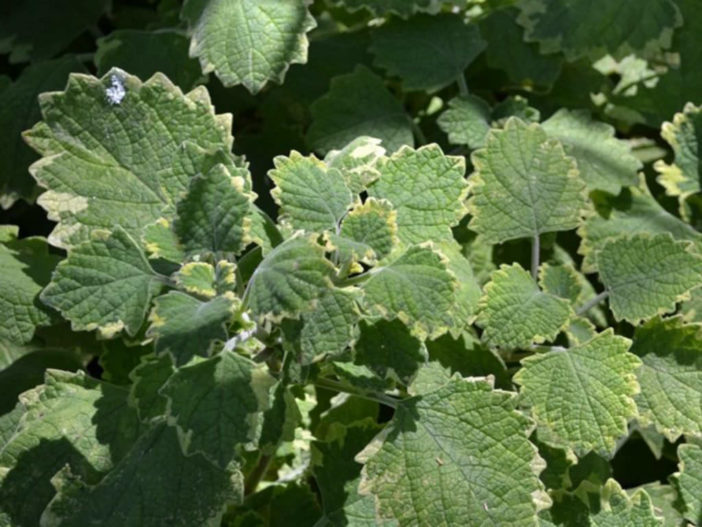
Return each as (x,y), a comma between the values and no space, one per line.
(356,279)
(337,386)
(462,86)
(636,82)
(254,478)
(418,134)
(592,303)
(535,255)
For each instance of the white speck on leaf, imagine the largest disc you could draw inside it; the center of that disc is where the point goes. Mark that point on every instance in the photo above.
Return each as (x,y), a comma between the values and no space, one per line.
(116,92)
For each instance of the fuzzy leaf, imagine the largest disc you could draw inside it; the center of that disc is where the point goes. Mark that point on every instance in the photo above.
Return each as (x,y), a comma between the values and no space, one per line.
(524,185)
(217,404)
(147,380)
(689,480)
(111,159)
(404,8)
(197,278)
(213,216)
(428,52)
(574,28)
(670,376)
(368,233)
(289,279)
(311,196)
(466,121)
(604,162)
(152,484)
(184,326)
(458,452)
(358,104)
(416,288)
(249,42)
(582,397)
(105,284)
(467,294)
(617,509)
(358,162)
(427,189)
(645,275)
(514,312)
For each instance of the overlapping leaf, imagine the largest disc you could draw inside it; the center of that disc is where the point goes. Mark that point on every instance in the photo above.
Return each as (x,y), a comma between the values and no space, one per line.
(670,376)
(645,275)
(689,481)
(104,284)
(358,162)
(403,8)
(524,185)
(458,452)
(582,397)
(368,233)
(427,189)
(248,42)
(616,508)
(514,312)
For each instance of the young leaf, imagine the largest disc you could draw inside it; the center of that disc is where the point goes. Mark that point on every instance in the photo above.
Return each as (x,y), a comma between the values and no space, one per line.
(416,288)
(670,376)
(358,104)
(427,189)
(604,162)
(458,452)
(160,242)
(524,185)
(514,312)
(213,216)
(184,326)
(197,278)
(289,279)
(684,135)
(645,27)
(217,404)
(581,397)
(428,52)
(616,508)
(152,484)
(358,162)
(368,233)
(110,159)
(645,275)
(311,196)
(689,480)
(105,284)
(466,121)
(248,42)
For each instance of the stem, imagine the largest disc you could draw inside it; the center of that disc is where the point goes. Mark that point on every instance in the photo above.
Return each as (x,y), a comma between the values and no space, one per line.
(256,474)
(636,82)
(336,386)
(356,279)
(462,86)
(592,303)
(421,138)
(535,255)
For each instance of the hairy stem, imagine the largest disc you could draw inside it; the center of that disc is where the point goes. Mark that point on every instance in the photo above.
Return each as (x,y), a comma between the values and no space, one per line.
(535,255)
(462,86)
(337,386)
(592,303)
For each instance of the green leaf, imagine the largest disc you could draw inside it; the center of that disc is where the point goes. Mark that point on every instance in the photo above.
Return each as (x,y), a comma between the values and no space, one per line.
(248,42)
(152,484)
(604,162)
(389,350)
(458,452)
(311,196)
(331,326)
(646,275)
(644,27)
(21,280)
(635,211)
(217,404)
(197,278)
(18,111)
(147,380)
(466,121)
(70,420)
(514,312)
(160,242)
(684,135)
(213,216)
(358,162)
(358,104)
(582,397)
(112,160)
(565,282)
(617,509)
(428,52)
(670,376)
(524,185)
(689,480)
(507,51)
(143,53)
(427,189)
(368,232)
(35,30)
(664,500)
(415,288)
(184,326)
(404,8)
(105,284)
(468,292)
(289,279)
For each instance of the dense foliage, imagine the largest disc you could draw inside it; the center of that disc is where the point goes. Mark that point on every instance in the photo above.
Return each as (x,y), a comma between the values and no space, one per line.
(447,274)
